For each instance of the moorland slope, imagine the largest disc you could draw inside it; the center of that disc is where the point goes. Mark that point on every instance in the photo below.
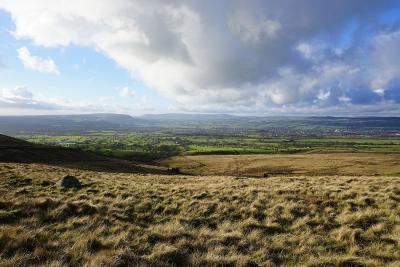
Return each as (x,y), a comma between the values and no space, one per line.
(120,219)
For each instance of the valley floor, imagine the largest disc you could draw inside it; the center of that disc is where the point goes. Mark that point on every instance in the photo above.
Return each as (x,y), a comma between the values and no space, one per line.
(344,164)
(120,219)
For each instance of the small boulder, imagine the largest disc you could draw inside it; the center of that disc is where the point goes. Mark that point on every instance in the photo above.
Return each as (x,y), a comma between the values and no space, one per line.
(69,182)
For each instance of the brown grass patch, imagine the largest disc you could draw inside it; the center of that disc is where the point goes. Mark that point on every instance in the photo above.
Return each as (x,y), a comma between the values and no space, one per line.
(347,164)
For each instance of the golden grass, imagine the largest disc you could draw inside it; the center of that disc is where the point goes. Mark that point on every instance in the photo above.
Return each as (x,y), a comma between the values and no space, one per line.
(299,164)
(151,220)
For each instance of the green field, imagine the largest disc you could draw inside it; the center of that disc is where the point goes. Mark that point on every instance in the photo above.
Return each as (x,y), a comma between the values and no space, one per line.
(146,147)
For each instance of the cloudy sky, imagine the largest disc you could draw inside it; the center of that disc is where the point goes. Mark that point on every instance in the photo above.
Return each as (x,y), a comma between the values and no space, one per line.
(262,57)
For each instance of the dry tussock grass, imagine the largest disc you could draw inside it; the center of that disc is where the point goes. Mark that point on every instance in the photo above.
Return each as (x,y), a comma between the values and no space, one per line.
(344,164)
(150,220)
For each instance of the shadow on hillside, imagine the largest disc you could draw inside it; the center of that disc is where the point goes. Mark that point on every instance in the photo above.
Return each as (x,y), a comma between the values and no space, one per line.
(18,151)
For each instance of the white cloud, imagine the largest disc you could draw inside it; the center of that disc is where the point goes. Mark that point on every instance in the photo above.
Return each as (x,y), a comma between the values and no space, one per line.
(21,97)
(386,59)
(26,102)
(227,53)
(126,92)
(22,101)
(37,63)
(16,94)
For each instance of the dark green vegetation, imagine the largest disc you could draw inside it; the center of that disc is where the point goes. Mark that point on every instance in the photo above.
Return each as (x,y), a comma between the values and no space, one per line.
(142,147)
(16,150)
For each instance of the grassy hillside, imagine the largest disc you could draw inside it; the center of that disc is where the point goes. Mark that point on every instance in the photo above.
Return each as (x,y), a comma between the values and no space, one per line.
(153,220)
(16,150)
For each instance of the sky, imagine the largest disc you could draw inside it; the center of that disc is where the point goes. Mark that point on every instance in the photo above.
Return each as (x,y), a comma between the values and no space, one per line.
(261,57)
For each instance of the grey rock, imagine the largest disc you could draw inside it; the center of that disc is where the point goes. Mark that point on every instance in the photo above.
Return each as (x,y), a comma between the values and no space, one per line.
(69,182)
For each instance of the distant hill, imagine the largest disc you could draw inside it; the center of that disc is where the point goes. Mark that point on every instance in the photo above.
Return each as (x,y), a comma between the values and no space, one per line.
(190,123)
(65,123)
(189,117)
(19,151)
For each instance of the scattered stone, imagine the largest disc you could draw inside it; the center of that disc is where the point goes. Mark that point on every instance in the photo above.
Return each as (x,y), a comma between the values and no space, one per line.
(69,182)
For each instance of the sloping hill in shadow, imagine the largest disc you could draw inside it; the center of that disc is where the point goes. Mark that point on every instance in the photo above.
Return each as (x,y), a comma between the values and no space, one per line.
(20,151)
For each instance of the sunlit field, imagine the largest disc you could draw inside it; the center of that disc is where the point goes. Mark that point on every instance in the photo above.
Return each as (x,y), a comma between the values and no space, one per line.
(157,220)
(353,164)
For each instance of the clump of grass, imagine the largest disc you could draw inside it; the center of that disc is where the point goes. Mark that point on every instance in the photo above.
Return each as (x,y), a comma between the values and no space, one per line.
(74,209)
(156,220)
